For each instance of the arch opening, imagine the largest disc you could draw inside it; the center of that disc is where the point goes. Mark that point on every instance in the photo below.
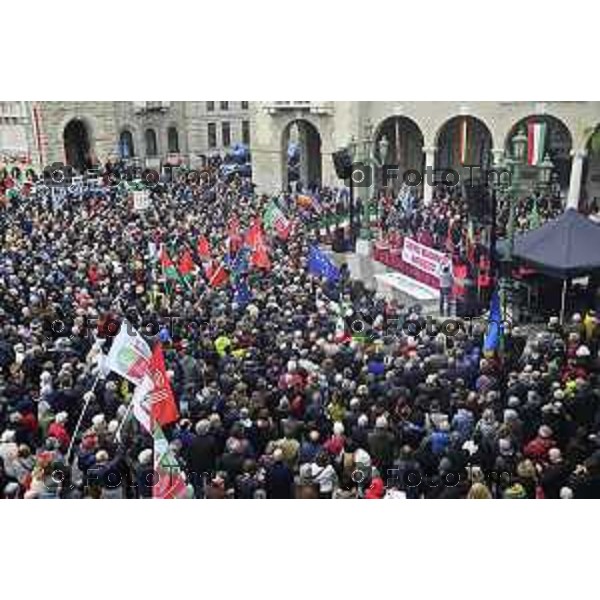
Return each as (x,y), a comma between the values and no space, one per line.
(151,143)
(398,142)
(78,147)
(590,192)
(173,140)
(555,142)
(301,150)
(126,147)
(464,141)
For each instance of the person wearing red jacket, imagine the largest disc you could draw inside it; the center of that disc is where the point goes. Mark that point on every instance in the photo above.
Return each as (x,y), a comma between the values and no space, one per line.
(57,430)
(537,448)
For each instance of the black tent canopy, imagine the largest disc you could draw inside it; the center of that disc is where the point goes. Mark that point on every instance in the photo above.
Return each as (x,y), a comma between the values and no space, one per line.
(566,247)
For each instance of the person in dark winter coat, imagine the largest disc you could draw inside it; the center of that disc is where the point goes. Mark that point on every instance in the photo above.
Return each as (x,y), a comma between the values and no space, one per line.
(279,478)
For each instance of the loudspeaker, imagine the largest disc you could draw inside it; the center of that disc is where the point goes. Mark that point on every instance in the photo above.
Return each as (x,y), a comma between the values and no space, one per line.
(342,161)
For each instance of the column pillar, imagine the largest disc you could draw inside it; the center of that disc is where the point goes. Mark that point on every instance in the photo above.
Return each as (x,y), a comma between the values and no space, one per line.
(575,179)
(429,162)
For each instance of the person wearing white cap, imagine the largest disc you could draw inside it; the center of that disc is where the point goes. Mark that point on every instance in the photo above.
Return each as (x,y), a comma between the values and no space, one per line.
(555,474)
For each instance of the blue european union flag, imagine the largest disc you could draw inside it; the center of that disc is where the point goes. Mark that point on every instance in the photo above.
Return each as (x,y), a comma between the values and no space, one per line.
(241,262)
(494,331)
(241,294)
(320,264)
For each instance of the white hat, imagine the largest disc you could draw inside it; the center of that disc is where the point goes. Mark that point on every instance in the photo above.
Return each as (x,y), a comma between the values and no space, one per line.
(362,457)
(8,436)
(202,427)
(145,456)
(554,455)
(566,493)
(101,456)
(470,446)
(98,419)
(381,422)
(61,417)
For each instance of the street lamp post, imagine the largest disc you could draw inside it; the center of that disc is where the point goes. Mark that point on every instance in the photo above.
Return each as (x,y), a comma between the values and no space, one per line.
(383,148)
(365,230)
(352,150)
(512,193)
(546,168)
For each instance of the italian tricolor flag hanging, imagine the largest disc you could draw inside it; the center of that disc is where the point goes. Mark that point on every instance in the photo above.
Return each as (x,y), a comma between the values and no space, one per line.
(536,142)
(463,141)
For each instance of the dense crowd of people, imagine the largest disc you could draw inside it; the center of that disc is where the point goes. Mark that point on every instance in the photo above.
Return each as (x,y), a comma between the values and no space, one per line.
(276,396)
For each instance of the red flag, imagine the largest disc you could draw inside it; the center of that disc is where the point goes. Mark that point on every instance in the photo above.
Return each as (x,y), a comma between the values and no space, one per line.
(255,240)
(162,400)
(203,248)
(254,235)
(233,226)
(235,239)
(218,276)
(260,258)
(186,263)
(165,259)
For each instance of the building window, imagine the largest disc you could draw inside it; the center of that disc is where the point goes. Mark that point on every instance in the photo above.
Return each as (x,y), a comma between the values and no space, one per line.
(210,106)
(246,132)
(126,149)
(212,135)
(224,105)
(244,104)
(173,139)
(151,145)
(226,133)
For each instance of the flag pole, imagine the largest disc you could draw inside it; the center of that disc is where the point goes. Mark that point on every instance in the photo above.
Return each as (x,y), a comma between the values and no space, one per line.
(563,300)
(85,405)
(125,417)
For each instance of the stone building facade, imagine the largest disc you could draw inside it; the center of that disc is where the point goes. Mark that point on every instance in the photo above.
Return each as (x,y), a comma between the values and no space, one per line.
(422,134)
(417,135)
(155,132)
(15,132)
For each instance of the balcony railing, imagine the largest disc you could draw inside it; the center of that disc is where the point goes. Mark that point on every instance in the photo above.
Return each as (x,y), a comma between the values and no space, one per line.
(314,107)
(151,107)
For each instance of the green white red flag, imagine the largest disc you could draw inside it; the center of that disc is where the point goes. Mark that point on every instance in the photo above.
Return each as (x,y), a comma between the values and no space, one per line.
(129,355)
(168,266)
(141,404)
(169,478)
(276,220)
(536,142)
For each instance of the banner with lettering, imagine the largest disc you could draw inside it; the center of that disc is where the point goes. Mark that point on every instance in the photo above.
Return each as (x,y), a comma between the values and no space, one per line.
(423,257)
(141,200)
